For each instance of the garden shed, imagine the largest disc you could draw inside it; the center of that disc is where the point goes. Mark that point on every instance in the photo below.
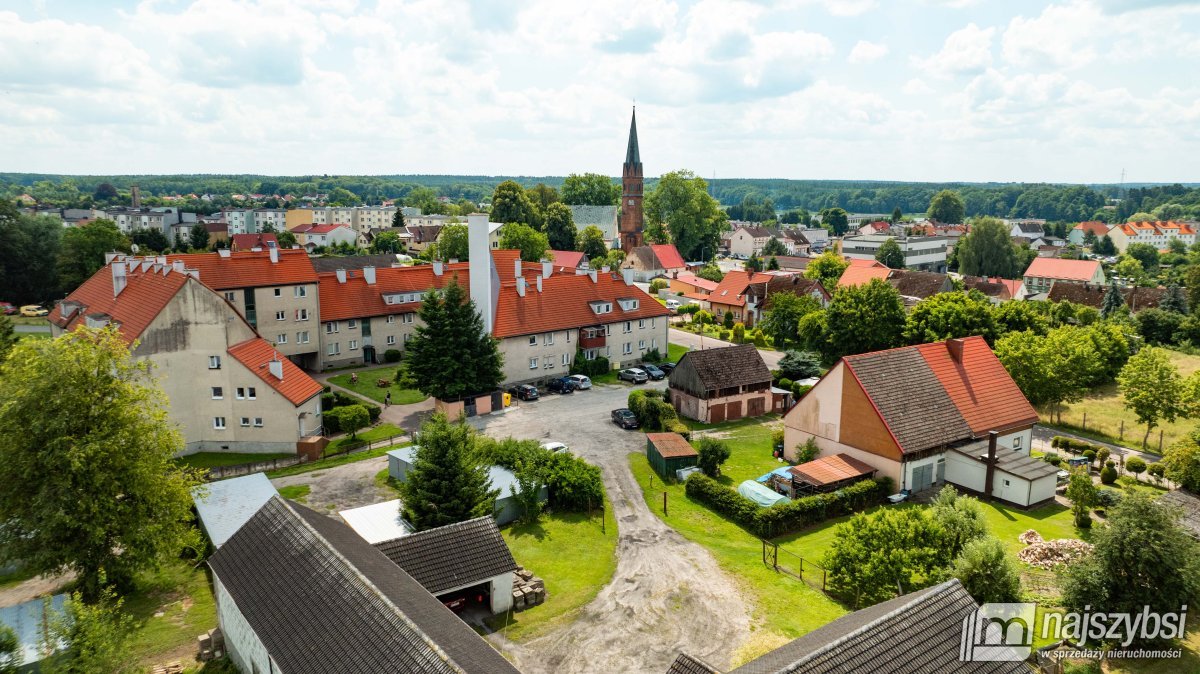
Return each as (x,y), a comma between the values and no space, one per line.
(506,509)
(828,473)
(669,452)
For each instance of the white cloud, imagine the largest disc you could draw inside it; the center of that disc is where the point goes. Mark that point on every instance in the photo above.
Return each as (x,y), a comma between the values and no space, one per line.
(916,87)
(866,52)
(848,7)
(966,51)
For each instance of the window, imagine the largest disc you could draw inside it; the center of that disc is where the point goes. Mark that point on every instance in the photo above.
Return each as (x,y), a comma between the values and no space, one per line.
(219,423)
(279,292)
(407,337)
(608,331)
(230,297)
(300,291)
(548,339)
(408,318)
(533,340)
(245,422)
(628,327)
(281,338)
(353,344)
(653,344)
(590,354)
(214,362)
(548,362)
(334,349)
(218,393)
(627,348)
(351,324)
(391,340)
(240,393)
(566,359)
(568,336)
(641,324)
(651,323)
(302,314)
(391,319)
(302,337)
(1017,442)
(331,327)
(641,345)
(258,422)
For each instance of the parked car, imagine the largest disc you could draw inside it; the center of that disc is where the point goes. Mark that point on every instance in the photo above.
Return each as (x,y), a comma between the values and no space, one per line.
(673,305)
(653,372)
(562,385)
(624,418)
(582,382)
(524,392)
(7,308)
(667,367)
(633,375)
(555,447)
(34,311)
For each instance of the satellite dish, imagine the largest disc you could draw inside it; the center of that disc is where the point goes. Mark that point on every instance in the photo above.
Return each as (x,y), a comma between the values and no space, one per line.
(134,248)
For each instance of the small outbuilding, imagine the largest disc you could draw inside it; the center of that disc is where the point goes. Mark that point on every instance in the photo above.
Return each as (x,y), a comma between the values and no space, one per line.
(828,473)
(763,496)
(725,384)
(669,452)
(506,508)
(378,522)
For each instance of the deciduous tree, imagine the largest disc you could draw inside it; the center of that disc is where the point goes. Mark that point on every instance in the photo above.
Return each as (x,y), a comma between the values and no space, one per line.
(773,247)
(1151,388)
(826,268)
(560,227)
(987,572)
(89,637)
(592,242)
(29,249)
(864,318)
(988,251)
(444,485)
(949,315)
(1182,461)
(783,314)
(590,189)
(836,220)
(86,453)
(532,243)
(890,255)
(948,207)
(83,250)
(876,556)
(1050,370)
(510,203)
(1082,493)
(711,272)
(680,205)
(389,242)
(712,453)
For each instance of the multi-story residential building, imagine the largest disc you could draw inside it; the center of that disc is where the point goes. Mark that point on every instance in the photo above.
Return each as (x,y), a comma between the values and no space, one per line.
(254,220)
(748,240)
(314,236)
(132,219)
(274,290)
(923,253)
(227,388)
(1044,272)
(731,295)
(1157,234)
(367,218)
(1030,230)
(1079,232)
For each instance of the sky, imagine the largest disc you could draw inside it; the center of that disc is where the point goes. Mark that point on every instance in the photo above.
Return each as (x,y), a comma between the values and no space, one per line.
(936,90)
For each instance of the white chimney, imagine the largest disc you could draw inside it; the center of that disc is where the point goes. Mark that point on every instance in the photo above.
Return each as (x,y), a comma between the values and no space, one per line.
(627,274)
(119,279)
(521,286)
(109,257)
(453,260)
(274,255)
(547,268)
(146,264)
(603,270)
(539,283)
(369,275)
(223,252)
(161,259)
(592,274)
(178,265)
(437,267)
(518,267)
(580,271)
(276,367)
(341,275)
(484,279)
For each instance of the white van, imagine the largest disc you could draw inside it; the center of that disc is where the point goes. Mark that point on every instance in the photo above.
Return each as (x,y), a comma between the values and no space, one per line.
(673,305)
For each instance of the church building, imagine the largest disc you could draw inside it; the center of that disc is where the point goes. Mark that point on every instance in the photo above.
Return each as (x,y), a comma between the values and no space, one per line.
(631,222)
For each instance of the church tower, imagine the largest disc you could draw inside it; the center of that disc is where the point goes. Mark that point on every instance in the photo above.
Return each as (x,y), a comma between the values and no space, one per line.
(630,225)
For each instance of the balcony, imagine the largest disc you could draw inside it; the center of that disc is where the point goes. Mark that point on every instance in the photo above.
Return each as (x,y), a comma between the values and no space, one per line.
(592,340)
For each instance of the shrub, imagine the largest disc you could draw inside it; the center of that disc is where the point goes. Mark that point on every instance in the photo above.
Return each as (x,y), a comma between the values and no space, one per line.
(760,340)
(724,335)
(1090,456)
(1136,465)
(807,451)
(800,365)
(1056,441)
(798,390)
(652,356)
(712,453)
(1157,469)
(777,438)
(739,333)
(657,285)
(1107,498)
(784,383)
(987,572)
(1102,454)
(1052,459)
(391,356)
(1108,474)
(727,321)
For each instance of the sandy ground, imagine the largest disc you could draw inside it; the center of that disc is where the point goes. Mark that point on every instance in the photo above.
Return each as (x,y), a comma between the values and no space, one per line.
(347,486)
(38,586)
(667,594)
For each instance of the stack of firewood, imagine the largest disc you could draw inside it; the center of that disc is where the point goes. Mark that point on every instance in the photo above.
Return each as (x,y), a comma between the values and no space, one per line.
(1049,554)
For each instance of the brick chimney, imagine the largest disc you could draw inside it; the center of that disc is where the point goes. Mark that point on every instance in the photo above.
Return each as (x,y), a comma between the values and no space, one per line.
(955,347)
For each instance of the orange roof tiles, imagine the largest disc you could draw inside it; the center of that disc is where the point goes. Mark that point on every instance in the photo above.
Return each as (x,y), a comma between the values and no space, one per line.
(356,299)
(248,241)
(670,445)
(668,256)
(564,304)
(732,289)
(1066,270)
(1094,226)
(830,469)
(855,262)
(567,258)
(696,281)
(979,386)
(144,296)
(861,275)
(257,353)
(250,269)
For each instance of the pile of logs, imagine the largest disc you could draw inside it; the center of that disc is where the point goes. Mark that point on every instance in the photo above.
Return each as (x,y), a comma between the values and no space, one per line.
(1049,554)
(528,590)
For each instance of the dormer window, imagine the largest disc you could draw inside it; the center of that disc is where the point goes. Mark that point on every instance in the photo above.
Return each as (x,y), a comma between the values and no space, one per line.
(629,304)
(601,307)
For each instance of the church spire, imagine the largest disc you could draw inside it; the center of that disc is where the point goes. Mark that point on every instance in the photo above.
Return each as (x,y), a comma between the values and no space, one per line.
(632,156)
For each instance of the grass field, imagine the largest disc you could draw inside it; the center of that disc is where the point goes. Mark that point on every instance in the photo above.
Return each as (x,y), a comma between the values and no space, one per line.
(367,387)
(221,459)
(749,443)
(32,336)
(782,607)
(1105,412)
(380,432)
(296,492)
(180,591)
(573,554)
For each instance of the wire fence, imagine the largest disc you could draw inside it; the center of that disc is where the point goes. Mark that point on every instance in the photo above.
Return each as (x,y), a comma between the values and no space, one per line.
(813,574)
(225,472)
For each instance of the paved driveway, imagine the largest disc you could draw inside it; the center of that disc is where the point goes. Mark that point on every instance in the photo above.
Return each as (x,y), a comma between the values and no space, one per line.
(667,593)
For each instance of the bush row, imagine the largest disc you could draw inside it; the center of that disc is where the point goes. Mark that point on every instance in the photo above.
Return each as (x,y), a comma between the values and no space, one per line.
(1072,445)
(655,414)
(786,517)
(574,484)
(332,400)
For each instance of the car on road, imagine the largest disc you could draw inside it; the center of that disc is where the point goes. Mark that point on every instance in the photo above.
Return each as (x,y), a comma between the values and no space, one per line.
(625,419)
(555,447)
(34,311)
(653,372)
(563,385)
(524,392)
(673,305)
(582,382)
(7,308)
(633,375)
(667,367)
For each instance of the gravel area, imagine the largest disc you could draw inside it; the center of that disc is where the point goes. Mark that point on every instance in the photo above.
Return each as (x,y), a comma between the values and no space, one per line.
(347,486)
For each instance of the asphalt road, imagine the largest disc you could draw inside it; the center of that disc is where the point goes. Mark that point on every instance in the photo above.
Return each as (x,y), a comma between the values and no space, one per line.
(31,328)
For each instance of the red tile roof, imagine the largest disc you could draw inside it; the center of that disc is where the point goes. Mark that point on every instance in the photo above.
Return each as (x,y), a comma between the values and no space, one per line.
(1094,226)
(856,275)
(248,269)
(356,299)
(668,256)
(564,304)
(1066,270)
(568,258)
(670,445)
(980,387)
(144,296)
(830,469)
(256,353)
(731,290)
(855,262)
(696,281)
(248,241)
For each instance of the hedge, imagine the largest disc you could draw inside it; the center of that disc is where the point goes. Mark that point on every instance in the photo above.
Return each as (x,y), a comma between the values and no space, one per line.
(331,401)
(787,517)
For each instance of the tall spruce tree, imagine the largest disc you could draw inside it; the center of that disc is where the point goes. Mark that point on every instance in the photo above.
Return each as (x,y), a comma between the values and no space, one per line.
(445,485)
(451,355)
(1174,300)
(1112,302)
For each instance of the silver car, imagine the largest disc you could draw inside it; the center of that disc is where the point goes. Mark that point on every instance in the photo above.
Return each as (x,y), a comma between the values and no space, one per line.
(634,375)
(582,382)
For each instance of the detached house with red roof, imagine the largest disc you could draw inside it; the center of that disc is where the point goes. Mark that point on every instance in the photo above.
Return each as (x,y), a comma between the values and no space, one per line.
(313,236)
(925,415)
(1044,272)
(732,295)
(227,388)
(652,261)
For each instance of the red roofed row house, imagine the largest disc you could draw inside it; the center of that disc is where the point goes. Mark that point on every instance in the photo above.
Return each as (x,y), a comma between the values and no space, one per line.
(926,415)
(227,388)
(1044,272)
(1157,234)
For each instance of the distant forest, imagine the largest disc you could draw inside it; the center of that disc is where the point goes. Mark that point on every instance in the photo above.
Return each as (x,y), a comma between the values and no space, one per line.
(1028,200)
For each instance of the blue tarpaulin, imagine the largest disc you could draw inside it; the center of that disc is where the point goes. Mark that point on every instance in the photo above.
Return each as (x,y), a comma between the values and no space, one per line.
(763,496)
(781,472)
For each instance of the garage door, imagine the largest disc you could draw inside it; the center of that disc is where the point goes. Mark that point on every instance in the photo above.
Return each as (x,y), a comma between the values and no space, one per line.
(733,410)
(716,413)
(756,407)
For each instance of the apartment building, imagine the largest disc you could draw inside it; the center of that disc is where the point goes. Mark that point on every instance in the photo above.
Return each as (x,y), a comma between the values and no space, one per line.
(922,253)
(1044,272)
(312,237)
(253,220)
(274,290)
(367,218)
(132,219)
(227,388)
(1157,234)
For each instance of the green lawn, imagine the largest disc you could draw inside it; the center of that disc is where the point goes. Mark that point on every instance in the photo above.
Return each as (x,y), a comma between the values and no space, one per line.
(367,387)
(296,492)
(333,461)
(31,336)
(675,352)
(573,555)
(222,459)
(28,320)
(380,432)
(1127,484)
(1051,521)
(783,607)
(1105,412)
(180,591)
(749,443)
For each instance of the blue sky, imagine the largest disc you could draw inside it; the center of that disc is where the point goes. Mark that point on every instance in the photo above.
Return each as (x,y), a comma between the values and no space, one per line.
(979,90)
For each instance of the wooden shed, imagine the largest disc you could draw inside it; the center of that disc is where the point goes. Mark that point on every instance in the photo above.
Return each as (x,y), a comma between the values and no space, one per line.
(668,452)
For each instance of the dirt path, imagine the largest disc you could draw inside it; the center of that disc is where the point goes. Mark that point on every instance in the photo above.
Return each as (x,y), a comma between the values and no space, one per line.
(38,586)
(347,486)
(667,594)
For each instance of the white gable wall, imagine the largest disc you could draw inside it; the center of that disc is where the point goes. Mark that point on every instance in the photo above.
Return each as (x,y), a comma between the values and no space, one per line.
(241,642)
